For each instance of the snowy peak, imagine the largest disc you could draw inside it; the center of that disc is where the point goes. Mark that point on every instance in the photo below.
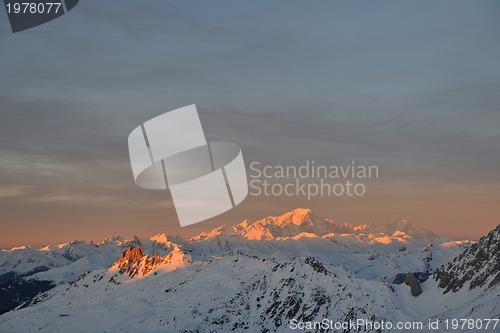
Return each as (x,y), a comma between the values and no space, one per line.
(222,230)
(297,216)
(405,227)
(289,225)
(115,240)
(160,238)
(477,267)
(177,259)
(165,242)
(120,241)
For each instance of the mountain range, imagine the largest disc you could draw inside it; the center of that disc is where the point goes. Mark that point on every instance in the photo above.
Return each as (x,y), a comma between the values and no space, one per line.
(259,276)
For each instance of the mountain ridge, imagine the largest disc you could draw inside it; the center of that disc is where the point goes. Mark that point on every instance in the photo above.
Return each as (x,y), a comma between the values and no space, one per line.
(304,221)
(289,225)
(255,275)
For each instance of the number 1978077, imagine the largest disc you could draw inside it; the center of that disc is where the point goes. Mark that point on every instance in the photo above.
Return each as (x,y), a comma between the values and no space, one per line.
(33,7)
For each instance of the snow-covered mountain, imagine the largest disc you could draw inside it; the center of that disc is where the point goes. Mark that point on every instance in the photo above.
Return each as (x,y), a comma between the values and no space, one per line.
(302,222)
(255,277)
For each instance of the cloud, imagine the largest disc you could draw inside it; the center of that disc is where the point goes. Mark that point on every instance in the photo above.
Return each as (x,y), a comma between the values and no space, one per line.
(412,88)
(75,199)
(11,191)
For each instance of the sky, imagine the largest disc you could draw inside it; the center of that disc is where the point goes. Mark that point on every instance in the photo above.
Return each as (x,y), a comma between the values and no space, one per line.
(411,87)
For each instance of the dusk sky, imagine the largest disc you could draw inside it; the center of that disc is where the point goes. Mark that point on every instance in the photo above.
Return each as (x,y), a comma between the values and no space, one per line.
(411,87)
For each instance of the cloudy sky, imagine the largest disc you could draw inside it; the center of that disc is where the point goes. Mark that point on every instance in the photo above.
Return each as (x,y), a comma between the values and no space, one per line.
(412,87)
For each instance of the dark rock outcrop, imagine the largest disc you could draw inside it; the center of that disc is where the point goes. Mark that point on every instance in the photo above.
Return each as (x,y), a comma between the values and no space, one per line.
(476,266)
(412,282)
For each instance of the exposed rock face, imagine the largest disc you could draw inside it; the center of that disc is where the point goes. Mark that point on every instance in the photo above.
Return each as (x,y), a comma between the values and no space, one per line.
(130,260)
(135,263)
(479,266)
(414,285)
(428,248)
(132,254)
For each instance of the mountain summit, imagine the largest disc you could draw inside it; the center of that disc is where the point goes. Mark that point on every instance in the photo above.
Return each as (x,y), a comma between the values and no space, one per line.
(303,222)
(297,216)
